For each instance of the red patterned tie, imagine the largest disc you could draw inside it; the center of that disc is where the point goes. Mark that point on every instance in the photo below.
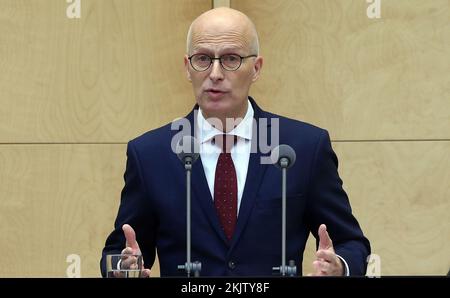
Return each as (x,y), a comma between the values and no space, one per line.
(225,186)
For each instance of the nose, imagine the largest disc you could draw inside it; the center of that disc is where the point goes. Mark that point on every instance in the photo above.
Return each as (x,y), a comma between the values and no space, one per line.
(216,73)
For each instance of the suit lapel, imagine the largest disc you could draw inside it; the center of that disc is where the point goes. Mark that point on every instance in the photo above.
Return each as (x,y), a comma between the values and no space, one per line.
(255,174)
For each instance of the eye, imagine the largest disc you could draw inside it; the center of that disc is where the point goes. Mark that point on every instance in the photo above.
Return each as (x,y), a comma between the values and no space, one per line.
(230,58)
(202,58)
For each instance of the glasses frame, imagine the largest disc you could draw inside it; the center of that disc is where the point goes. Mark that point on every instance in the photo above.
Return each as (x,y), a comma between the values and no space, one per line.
(220,61)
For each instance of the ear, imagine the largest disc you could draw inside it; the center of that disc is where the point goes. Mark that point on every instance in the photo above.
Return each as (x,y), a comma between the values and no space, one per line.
(257,67)
(186,66)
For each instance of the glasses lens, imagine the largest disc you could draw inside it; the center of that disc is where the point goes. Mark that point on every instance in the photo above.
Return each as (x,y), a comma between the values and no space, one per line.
(230,62)
(200,61)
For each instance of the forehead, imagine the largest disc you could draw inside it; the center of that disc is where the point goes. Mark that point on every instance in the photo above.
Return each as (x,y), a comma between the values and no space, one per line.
(218,49)
(220,37)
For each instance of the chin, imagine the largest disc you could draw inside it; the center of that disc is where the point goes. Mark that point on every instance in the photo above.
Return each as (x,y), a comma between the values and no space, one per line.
(215,107)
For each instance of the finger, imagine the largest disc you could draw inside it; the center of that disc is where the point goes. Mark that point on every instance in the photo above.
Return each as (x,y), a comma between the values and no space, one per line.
(326,255)
(146,273)
(331,264)
(324,268)
(324,239)
(119,274)
(128,262)
(130,236)
(317,268)
(126,251)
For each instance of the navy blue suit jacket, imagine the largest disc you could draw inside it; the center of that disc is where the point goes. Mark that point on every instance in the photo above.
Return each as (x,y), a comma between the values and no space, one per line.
(153,202)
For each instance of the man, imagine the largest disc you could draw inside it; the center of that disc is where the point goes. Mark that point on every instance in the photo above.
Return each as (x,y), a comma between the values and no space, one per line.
(236,198)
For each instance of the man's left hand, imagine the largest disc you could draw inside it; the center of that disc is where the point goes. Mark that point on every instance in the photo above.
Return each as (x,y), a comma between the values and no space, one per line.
(327,263)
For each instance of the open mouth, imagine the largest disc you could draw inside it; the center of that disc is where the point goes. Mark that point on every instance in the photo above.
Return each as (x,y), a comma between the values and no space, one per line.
(215,93)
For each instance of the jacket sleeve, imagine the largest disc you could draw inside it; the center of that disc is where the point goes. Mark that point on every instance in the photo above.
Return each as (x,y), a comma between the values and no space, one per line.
(135,209)
(327,203)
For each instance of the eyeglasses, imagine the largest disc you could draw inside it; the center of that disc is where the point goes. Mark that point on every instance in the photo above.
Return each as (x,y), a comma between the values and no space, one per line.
(231,62)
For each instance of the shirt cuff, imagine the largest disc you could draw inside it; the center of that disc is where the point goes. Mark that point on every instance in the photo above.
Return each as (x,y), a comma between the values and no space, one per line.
(346,271)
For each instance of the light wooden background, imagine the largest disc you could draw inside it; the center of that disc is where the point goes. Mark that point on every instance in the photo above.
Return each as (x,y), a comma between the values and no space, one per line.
(74,91)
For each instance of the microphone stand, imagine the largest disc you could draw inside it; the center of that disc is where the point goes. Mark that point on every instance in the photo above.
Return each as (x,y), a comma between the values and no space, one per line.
(188,267)
(290,270)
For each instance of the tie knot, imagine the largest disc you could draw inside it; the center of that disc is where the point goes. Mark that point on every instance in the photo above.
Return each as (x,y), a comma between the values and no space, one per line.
(225,142)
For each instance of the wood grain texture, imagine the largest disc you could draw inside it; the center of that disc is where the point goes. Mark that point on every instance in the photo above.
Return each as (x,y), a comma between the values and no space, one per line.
(221,3)
(327,63)
(107,77)
(57,200)
(400,193)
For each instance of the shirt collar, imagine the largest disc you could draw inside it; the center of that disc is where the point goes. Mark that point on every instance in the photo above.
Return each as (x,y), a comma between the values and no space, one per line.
(243,130)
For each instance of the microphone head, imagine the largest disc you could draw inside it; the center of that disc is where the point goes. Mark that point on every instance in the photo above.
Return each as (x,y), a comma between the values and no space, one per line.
(187,146)
(280,152)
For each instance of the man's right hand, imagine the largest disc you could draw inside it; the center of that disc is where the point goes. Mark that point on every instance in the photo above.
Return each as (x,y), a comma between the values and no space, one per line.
(132,248)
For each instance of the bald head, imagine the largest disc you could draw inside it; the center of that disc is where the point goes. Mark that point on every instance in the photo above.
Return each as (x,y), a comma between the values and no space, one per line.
(226,20)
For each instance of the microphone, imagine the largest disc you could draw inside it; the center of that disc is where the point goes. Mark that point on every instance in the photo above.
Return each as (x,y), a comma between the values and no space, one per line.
(187,150)
(283,157)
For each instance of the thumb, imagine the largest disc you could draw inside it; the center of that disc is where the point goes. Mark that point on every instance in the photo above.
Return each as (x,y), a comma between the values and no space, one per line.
(324,239)
(130,236)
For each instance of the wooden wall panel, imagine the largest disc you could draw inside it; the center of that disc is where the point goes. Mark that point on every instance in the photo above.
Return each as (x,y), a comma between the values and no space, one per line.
(327,63)
(57,200)
(106,77)
(221,3)
(400,193)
